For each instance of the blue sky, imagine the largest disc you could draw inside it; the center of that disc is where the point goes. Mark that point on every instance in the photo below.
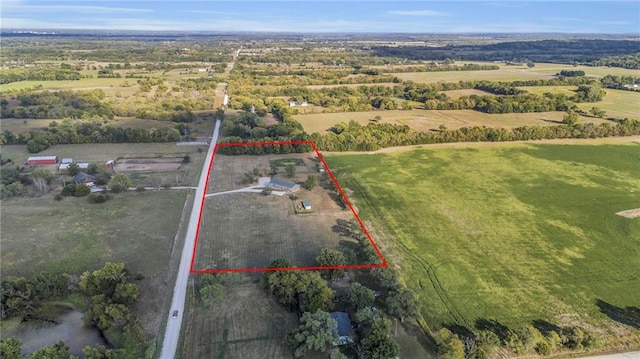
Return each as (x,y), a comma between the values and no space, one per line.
(326,16)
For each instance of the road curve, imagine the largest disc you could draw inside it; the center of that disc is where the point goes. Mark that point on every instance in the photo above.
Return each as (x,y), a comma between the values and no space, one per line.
(172,330)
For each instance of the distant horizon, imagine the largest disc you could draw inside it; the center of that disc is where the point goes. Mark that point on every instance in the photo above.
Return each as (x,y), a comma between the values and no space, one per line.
(326,17)
(204,32)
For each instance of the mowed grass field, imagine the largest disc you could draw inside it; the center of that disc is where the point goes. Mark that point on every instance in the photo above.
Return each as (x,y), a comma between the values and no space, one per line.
(72,235)
(617,103)
(426,120)
(519,234)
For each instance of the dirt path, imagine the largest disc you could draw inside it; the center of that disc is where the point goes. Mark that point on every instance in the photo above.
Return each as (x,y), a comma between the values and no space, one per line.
(567,141)
(629,355)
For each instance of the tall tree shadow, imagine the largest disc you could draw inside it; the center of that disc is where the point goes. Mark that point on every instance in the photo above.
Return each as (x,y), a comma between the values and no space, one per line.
(629,315)
(493,326)
(545,327)
(460,330)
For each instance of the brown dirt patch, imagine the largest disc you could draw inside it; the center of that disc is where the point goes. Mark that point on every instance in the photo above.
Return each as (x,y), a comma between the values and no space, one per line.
(632,213)
(148,164)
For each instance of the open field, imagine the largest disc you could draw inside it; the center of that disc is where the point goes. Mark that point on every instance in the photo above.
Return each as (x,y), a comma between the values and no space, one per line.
(617,103)
(425,120)
(597,71)
(507,73)
(19,125)
(517,234)
(246,324)
(456,94)
(385,84)
(250,230)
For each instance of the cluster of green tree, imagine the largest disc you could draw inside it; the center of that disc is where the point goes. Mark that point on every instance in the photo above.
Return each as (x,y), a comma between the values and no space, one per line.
(110,295)
(56,104)
(571,73)
(19,295)
(630,61)
(242,81)
(620,82)
(524,340)
(38,74)
(211,288)
(109,74)
(249,127)
(561,51)
(586,93)
(434,67)
(11,348)
(10,179)
(74,132)
(354,137)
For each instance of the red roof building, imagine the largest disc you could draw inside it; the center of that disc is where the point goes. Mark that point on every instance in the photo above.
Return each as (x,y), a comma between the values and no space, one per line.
(42,160)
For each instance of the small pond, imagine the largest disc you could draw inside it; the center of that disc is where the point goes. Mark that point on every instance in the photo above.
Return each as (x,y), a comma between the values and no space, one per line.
(36,331)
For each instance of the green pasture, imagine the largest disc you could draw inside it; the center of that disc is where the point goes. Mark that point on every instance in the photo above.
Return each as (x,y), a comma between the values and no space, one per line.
(517,234)
(72,235)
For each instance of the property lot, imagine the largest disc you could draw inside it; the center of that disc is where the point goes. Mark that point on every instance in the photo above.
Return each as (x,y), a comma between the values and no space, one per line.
(245,324)
(248,230)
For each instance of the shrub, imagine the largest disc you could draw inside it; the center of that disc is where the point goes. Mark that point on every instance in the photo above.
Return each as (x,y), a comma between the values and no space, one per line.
(58,197)
(81,190)
(68,190)
(140,189)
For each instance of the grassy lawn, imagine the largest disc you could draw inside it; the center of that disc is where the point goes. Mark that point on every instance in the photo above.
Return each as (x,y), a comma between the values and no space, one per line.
(515,234)
(40,234)
(425,120)
(618,103)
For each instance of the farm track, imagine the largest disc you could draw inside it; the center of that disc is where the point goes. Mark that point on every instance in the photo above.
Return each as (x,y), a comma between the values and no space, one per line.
(428,267)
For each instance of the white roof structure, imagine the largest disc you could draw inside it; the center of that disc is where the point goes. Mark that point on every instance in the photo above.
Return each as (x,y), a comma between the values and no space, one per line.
(35,158)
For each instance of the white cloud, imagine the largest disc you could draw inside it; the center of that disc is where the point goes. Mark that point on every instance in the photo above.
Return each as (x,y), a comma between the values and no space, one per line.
(417,13)
(614,22)
(21,6)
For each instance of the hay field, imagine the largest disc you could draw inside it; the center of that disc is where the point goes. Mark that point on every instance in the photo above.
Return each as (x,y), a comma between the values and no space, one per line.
(426,120)
(516,234)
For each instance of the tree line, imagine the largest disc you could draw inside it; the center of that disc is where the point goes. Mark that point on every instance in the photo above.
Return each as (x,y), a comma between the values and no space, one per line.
(38,74)
(86,131)
(354,137)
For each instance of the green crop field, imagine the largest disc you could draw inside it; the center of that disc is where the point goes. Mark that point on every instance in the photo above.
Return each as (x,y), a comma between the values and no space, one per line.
(425,120)
(519,233)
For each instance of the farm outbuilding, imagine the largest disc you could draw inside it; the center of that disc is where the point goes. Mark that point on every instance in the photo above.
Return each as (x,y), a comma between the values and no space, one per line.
(42,160)
(83,166)
(83,178)
(306,205)
(67,160)
(283,185)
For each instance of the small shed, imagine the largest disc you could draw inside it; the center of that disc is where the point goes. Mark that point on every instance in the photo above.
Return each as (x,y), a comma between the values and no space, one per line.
(306,205)
(110,164)
(42,160)
(67,160)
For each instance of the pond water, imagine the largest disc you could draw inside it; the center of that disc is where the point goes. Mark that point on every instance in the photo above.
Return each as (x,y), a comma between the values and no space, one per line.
(68,326)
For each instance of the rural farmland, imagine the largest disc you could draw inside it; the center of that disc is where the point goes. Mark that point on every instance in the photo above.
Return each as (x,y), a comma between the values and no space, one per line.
(516,234)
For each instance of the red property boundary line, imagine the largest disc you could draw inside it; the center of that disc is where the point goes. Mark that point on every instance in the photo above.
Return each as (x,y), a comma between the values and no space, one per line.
(384,263)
